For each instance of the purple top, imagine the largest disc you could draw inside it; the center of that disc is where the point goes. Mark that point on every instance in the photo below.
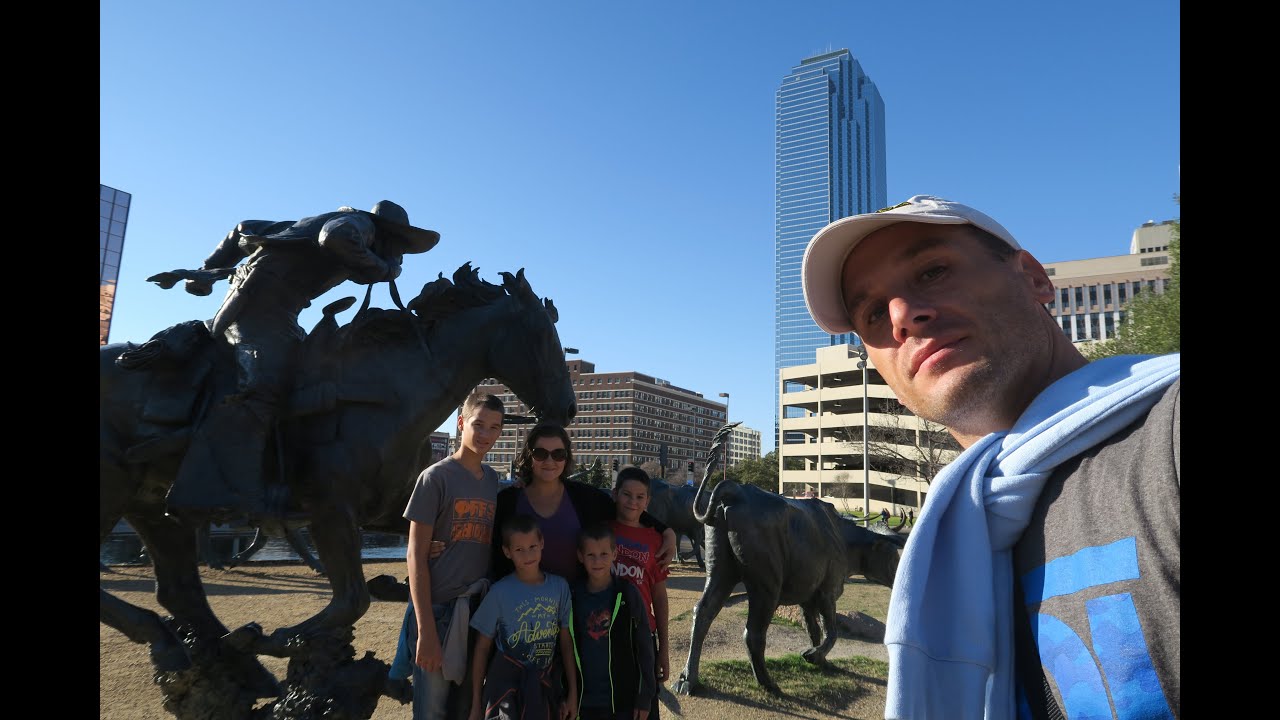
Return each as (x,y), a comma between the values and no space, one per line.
(559,537)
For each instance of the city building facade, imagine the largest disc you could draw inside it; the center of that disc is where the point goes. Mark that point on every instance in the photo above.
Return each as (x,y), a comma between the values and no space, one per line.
(113,216)
(1091,295)
(829,163)
(744,444)
(627,418)
(822,419)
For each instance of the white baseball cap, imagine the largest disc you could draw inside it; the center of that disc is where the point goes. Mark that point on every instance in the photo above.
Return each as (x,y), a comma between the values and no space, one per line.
(822,270)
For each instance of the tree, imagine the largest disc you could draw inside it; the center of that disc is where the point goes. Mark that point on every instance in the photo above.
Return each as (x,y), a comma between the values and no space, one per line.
(594,475)
(653,468)
(901,444)
(761,472)
(1154,321)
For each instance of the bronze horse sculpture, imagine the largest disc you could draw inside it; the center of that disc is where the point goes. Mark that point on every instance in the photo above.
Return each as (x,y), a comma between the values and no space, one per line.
(367,396)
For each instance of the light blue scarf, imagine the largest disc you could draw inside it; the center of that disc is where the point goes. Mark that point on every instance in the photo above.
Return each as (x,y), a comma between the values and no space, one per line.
(950,624)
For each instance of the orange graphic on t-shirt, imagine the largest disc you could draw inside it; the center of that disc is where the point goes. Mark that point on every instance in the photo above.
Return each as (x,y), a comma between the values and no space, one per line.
(472,521)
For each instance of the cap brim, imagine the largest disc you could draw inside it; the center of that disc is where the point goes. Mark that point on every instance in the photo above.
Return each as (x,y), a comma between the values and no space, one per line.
(822,269)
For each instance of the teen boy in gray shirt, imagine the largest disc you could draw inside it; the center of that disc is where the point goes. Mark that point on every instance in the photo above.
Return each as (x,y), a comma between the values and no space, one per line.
(453,502)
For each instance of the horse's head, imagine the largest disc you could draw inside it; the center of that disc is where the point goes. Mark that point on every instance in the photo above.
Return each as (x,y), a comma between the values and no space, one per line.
(529,359)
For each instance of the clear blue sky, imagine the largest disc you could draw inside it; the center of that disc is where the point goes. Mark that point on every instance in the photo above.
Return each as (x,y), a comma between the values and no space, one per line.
(620,152)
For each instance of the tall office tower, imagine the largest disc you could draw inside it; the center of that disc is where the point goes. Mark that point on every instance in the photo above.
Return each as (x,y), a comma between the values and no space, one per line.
(829,163)
(113,215)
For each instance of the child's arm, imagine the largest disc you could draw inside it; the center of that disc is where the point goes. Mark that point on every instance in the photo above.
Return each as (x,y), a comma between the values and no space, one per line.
(479,664)
(660,612)
(667,552)
(427,654)
(570,707)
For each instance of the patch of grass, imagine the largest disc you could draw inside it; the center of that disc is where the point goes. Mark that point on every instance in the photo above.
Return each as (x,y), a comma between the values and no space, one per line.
(686,615)
(776,620)
(804,686)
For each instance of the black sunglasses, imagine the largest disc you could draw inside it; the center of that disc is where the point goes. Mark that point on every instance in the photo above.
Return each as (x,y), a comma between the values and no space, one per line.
(540,454)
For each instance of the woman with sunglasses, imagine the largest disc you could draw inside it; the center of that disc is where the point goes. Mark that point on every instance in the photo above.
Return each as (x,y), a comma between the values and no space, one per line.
(561,506)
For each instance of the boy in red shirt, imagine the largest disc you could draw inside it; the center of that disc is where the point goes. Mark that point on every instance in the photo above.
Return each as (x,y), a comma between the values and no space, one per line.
(637,560)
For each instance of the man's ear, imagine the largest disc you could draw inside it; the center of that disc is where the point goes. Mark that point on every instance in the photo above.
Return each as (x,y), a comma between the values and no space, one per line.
(507,551)
(1037,279)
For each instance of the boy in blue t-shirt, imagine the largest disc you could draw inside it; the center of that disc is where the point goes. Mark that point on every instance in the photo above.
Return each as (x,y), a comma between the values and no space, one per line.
(525,615)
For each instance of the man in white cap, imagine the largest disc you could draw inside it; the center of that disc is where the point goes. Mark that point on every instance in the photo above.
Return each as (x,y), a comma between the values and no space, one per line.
(287,264)
(1049,549)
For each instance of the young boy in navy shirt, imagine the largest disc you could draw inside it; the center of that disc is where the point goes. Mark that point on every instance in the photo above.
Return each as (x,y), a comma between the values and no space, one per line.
(637,561)
(612,639)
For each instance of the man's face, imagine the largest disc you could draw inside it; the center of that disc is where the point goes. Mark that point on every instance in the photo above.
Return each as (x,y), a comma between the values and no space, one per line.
(956,332)
(480,431)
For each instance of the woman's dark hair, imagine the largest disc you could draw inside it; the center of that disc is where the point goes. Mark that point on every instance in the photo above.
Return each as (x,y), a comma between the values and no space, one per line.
(524,466)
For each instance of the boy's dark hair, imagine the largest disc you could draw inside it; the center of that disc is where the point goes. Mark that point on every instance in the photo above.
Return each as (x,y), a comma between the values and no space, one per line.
(631,472)
(521,523)
(477,400)
(597,531)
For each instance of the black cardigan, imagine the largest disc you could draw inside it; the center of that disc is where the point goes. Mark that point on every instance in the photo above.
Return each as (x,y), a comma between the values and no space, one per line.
(592,505)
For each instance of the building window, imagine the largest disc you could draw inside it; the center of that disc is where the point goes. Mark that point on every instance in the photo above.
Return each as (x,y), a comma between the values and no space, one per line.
(1079,298)
(1106,294)
(1066,299)
(1093,295)
(1121,289)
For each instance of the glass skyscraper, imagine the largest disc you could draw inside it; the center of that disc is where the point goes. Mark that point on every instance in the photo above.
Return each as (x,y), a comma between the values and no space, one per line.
(113,215)
(829,163)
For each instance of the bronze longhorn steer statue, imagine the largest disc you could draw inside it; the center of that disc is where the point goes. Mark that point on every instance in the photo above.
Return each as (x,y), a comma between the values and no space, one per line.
(785,551)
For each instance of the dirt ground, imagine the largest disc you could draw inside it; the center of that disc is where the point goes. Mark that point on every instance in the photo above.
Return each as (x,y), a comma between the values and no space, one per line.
(276,595)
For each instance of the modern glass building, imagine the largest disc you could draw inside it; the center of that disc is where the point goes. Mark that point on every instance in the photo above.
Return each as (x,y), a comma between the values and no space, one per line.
(829,163)
(113,215)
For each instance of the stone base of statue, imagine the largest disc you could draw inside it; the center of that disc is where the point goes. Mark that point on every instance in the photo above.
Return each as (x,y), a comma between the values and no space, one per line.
(323,680)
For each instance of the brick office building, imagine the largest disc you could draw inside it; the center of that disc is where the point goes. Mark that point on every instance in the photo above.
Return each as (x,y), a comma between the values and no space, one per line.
(628,417)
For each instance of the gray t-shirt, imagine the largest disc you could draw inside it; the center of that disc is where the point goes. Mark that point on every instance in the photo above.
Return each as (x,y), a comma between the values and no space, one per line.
(1100,570)
(459,508)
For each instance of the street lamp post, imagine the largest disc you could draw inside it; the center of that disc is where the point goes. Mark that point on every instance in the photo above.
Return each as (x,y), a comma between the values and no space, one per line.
(724,472)
(866,470)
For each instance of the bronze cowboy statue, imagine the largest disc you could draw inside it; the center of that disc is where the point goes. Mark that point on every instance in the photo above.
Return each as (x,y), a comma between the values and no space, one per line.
(288,265)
